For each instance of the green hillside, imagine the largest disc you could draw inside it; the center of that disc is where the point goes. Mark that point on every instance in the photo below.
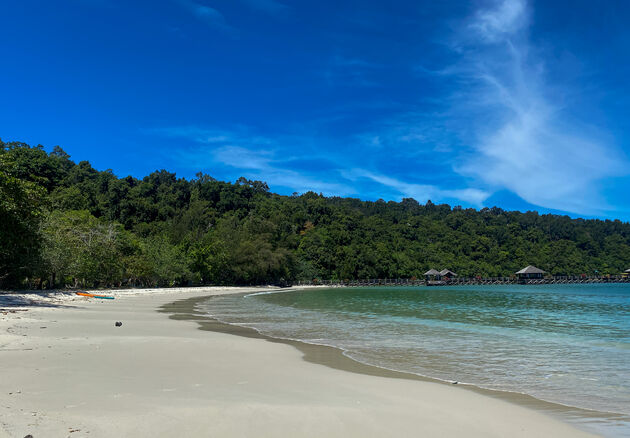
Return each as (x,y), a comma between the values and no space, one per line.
(67,223)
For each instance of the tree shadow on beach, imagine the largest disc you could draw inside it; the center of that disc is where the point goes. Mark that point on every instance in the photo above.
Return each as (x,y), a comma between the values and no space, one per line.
(34,299)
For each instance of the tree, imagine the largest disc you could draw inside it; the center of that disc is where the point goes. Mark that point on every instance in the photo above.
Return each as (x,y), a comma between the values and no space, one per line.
(21,204)
(168,265)
(80,247)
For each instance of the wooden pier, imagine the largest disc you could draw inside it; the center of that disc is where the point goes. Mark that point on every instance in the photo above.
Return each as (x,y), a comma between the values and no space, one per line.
(462,281)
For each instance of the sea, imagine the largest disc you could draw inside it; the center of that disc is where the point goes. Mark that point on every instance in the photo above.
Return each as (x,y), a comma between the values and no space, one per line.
(565,344)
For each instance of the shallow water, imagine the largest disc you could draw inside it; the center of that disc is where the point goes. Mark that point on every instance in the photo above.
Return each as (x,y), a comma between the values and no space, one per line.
(568,344)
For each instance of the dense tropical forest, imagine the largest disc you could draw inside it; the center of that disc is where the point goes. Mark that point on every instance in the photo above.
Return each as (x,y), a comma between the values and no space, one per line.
(63,223)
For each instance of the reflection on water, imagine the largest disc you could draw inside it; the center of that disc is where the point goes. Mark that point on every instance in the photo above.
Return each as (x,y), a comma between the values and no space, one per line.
(564,343)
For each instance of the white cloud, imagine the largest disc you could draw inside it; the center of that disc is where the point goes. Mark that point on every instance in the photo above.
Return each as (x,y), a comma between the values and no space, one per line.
(524,139)
(269,160)
(237,136)
(242,158)
(423,192)
(257,156)
(506,18)
(264,164)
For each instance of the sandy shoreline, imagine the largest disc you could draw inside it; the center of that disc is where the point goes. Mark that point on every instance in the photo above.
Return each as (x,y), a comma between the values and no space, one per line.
(67,371)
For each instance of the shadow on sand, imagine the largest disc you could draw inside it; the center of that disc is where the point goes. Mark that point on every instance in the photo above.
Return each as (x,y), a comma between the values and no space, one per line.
(33,299)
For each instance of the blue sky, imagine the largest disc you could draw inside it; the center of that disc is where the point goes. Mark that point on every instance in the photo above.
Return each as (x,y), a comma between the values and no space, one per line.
(520,104)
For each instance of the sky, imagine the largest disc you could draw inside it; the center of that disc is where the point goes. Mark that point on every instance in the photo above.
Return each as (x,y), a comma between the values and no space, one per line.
(520,104)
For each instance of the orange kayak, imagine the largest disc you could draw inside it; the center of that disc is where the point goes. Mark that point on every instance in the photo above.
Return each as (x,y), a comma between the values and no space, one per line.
(103,297)
(83,294)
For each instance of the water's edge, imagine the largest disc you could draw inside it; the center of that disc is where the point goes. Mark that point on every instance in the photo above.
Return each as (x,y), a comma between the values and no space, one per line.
(333,357)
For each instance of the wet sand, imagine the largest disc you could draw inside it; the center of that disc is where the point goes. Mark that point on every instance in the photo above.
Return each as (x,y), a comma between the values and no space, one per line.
(589,420)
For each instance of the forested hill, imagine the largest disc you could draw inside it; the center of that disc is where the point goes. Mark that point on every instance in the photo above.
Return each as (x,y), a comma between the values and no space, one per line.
(68,223)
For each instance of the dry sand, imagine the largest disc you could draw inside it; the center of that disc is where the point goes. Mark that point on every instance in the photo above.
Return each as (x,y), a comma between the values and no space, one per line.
(67,371)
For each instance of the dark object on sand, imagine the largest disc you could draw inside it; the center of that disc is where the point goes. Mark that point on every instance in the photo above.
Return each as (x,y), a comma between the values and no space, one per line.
(118,324)
(29,436)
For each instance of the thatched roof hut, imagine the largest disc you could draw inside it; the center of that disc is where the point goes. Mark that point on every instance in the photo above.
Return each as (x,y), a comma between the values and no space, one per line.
(530,272)
(433,277)
(447,273)
(627,270)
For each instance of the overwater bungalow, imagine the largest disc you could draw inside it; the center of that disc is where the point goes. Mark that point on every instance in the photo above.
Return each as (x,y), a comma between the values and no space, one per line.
(432,274)
(530,273)
(445,273)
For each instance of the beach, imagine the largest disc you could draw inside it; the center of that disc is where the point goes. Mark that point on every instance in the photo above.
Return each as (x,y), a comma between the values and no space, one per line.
(69,371)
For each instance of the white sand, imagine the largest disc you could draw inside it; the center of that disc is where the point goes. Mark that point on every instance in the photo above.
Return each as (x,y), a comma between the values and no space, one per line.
(68,372)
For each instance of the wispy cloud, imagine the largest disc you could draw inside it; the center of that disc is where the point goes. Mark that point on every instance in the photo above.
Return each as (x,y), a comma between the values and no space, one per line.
(290,162)
(208,15)
(236,135)
(256,156)
(269,167)
(414,134)
(505,18)
(423,192)
(521,135)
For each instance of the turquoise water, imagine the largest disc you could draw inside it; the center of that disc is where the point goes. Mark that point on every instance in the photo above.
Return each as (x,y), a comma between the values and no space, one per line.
(568,344)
